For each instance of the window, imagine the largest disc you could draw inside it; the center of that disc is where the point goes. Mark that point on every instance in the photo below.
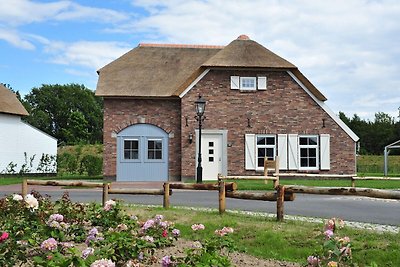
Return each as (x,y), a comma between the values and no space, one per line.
(308,152)
(296,152)
(247,83)
(131,149)
(265,148)
(154,149)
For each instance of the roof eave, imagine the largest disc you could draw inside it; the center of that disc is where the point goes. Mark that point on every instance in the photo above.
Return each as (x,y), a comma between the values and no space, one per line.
(308,84)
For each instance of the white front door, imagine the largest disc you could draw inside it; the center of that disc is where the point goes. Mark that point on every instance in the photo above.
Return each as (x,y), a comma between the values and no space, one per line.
(211,151)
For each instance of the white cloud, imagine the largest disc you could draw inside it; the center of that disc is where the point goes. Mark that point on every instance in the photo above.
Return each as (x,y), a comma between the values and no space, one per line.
(19,12)
(15,39)
(93,55)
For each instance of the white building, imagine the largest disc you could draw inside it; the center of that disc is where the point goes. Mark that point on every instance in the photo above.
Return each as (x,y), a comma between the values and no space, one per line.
(22,145)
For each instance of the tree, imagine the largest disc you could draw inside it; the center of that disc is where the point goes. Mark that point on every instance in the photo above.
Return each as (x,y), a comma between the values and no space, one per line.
(374,135)
(71,113)
(8,86)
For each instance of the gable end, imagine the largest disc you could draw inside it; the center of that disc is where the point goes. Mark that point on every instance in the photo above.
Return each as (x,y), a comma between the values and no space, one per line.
(341,124)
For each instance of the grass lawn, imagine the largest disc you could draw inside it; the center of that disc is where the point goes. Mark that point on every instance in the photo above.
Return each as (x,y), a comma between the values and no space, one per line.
(18,180)
(260,185)
(290,241)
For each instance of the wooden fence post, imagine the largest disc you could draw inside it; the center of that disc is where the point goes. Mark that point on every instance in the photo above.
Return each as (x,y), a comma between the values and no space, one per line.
(265,169)
(105,193)
(166,196)
(353,182)
(276,182)
(221,185)
(24,187)
(279,202)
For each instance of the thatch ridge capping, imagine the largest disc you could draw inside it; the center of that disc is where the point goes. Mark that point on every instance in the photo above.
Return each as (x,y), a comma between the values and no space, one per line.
(180,46)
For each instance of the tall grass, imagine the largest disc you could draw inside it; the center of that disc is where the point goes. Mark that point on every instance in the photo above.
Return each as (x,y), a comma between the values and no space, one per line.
(375,164)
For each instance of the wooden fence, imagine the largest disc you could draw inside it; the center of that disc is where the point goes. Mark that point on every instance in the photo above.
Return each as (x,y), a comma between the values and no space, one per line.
(270,166)
(107,190)
(229,190)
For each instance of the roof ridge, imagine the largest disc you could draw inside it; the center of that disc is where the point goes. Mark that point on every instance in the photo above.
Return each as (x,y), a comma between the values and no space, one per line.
(180,45)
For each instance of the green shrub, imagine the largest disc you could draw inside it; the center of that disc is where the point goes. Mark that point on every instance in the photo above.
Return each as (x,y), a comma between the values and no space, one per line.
(67,162)
(92,165)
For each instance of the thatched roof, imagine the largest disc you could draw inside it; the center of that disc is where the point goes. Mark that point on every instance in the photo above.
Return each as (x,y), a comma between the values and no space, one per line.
(152,70)
(158,70)
(9,103)
(246,53)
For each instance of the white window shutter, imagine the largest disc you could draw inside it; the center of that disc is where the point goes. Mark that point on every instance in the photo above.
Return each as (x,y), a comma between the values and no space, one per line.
(282,151)
(250,151)
(293,152)
(235,82)
(262,83)
(325,152)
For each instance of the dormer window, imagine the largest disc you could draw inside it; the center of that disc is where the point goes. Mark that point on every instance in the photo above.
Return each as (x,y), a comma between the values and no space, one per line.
(248,83)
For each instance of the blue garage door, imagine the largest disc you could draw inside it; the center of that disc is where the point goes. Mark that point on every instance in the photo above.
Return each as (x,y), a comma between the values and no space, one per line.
(142,154)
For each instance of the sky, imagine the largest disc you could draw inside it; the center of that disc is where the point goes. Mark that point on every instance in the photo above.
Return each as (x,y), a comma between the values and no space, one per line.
(349,49)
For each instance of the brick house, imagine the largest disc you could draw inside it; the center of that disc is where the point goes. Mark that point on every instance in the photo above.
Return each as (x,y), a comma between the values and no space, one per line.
(258,104)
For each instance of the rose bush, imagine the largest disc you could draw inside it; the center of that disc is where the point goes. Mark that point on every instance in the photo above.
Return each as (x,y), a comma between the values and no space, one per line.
(37,232)
(336,250)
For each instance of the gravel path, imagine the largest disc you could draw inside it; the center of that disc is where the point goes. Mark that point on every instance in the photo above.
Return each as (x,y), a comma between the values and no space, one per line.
(237,259)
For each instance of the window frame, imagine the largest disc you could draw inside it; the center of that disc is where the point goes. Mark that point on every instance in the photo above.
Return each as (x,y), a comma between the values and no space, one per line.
(258,168)
(241,81)
(308,146)
(147,159)
(123,159)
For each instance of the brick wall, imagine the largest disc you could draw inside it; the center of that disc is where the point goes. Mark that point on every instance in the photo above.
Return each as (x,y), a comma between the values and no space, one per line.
(283,108)
(121,113)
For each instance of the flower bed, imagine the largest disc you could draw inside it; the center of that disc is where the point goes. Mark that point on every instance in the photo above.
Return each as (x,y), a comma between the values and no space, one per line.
(38,232)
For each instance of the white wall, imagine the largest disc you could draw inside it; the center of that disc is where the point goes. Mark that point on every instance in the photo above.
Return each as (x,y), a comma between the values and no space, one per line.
(17,137)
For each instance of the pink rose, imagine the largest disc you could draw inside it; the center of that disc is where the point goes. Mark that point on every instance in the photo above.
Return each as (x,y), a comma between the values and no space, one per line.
(328,234)
(4,236)
(165,233)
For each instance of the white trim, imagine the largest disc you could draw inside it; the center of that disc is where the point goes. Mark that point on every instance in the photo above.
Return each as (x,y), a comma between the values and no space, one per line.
(194,83)
(283,151)
(262,83)
(254,79)
(235,82)
(325,152)
(293,157)
(259,168)
(250,153)
(316,147)
(224,151)
(326,109)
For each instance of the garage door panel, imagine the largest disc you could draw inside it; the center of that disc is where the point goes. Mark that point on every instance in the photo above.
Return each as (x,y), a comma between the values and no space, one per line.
(142,154)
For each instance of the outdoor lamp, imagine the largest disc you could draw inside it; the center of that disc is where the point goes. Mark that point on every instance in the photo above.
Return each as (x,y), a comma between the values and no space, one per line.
(200,104)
